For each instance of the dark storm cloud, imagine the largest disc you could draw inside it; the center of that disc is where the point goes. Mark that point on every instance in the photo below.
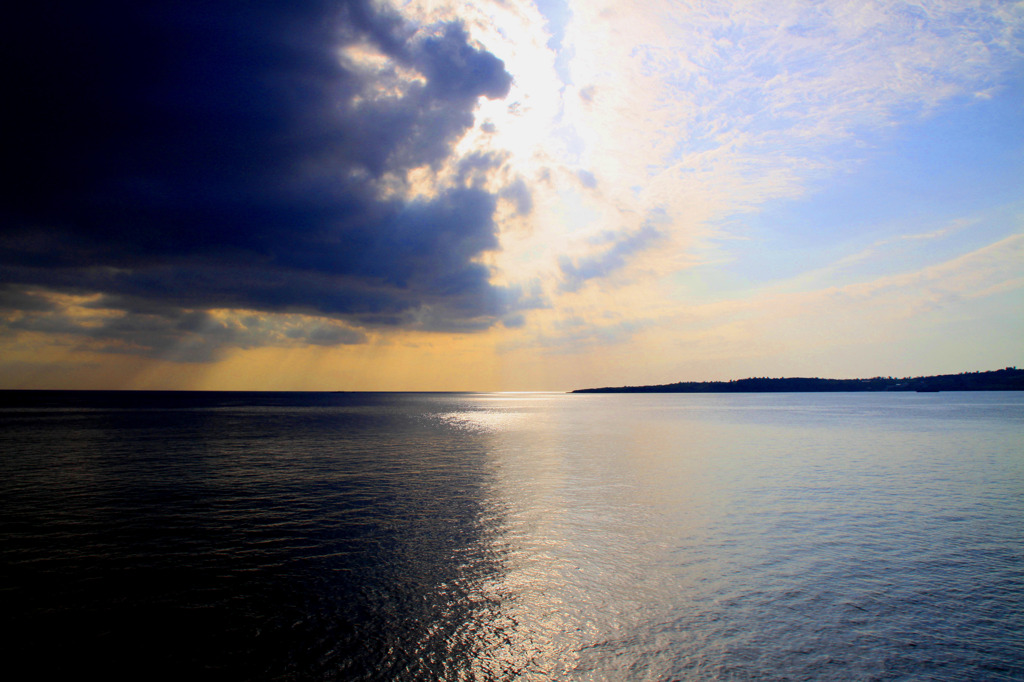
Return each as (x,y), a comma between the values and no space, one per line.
(181,336)
(325,335)
(14,298)
(188,156)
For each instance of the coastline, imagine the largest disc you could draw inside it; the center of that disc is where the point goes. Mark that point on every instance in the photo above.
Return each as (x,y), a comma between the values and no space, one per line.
(1008,379)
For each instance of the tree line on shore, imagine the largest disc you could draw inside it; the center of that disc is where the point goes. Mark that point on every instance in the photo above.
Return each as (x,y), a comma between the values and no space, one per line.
(1008,379)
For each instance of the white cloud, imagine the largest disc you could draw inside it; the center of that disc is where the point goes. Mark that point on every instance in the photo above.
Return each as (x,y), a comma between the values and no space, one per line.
(742,100)
(703,110)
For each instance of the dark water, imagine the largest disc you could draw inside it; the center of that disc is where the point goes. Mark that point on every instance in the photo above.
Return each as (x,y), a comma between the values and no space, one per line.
(532,536)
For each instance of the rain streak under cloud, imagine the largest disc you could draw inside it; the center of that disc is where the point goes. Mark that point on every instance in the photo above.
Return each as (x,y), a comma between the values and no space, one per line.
(544,195)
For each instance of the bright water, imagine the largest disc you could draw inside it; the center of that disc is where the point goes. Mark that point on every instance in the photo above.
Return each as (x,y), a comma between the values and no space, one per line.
(530,536)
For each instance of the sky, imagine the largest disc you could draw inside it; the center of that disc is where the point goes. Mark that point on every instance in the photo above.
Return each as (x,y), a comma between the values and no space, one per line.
(504,195)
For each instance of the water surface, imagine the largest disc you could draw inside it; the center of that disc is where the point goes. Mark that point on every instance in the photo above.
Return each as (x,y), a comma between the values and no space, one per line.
(491,536)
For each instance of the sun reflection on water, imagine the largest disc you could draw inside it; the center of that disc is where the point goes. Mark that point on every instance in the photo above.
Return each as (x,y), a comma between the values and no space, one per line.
(462,537)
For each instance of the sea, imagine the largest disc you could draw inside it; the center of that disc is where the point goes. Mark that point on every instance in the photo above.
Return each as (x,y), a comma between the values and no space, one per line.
(531,536)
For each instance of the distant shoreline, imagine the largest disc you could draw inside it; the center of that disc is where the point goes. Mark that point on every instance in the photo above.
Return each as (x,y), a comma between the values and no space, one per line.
(1009,379)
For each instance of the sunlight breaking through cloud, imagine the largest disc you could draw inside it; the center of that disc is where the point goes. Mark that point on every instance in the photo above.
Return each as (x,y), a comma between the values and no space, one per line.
(495,175)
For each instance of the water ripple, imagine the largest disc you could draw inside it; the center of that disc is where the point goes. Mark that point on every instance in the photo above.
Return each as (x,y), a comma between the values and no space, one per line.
(488,537)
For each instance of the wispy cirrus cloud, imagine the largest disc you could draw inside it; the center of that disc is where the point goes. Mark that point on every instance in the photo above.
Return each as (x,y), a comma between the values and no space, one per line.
(613,251)
(709,110)
(743,101)
(877,304)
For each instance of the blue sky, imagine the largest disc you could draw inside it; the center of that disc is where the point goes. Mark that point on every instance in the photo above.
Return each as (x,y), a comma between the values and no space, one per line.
(966,159)
(511,196)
